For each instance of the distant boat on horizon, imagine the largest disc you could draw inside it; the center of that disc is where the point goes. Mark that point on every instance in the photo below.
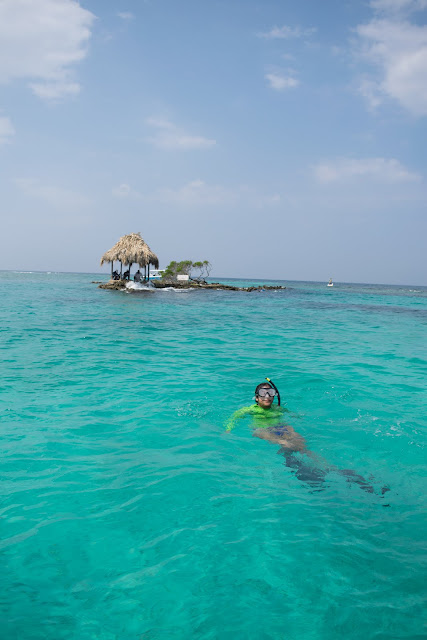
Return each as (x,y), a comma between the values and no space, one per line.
(330,283)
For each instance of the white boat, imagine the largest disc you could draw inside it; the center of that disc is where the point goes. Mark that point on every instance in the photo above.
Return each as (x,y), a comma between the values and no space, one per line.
(330,283)
(155,274)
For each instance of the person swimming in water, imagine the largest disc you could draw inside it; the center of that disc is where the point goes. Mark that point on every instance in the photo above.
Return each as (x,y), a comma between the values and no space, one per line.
(268,419)
(268,424)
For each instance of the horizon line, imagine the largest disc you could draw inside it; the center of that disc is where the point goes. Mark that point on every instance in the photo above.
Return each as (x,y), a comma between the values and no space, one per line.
(22,271)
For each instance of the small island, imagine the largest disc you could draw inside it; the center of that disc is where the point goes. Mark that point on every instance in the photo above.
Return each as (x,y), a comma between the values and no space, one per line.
(132,249)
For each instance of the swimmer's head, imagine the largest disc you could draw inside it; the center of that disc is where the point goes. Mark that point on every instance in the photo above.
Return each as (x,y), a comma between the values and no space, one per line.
(264,395)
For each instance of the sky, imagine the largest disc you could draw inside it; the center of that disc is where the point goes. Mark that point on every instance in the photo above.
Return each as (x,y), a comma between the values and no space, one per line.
(276,139)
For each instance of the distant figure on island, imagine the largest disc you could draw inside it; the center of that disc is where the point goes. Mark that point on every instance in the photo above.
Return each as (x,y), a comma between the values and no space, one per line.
(116,275)
(268,424)
(137,276)
(126,275)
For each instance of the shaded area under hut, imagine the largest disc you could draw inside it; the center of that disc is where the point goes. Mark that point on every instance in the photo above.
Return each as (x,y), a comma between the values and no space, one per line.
(131,249)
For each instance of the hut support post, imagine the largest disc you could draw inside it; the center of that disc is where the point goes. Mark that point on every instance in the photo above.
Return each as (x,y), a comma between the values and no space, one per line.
(121,270)
(112,265)
(148,272)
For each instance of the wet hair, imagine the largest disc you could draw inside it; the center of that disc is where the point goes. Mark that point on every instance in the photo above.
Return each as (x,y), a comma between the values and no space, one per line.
(263,385)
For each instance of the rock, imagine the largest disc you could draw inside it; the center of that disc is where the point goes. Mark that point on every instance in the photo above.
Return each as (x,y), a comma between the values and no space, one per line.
(116,285)
(119,285)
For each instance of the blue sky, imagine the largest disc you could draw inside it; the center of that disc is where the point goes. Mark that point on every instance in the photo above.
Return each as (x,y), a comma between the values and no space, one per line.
(276,139)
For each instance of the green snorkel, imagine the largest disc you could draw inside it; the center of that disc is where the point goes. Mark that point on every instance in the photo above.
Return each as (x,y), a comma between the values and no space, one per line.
(276,390)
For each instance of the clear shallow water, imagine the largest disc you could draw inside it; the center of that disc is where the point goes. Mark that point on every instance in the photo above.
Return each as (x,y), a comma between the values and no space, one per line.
(128,513)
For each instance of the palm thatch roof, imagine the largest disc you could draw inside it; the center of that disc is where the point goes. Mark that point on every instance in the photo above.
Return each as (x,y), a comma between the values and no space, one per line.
(131,249)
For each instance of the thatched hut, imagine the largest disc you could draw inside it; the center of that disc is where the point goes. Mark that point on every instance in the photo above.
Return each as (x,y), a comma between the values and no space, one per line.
(129,250)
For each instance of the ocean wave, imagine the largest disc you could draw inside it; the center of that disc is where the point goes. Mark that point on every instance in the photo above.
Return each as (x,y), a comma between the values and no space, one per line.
(138,286)
(173,289)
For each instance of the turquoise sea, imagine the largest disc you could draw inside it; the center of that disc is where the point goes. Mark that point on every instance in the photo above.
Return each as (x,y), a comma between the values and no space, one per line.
(128,513)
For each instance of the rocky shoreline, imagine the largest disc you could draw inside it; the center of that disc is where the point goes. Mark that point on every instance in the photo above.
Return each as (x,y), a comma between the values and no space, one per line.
(120,285)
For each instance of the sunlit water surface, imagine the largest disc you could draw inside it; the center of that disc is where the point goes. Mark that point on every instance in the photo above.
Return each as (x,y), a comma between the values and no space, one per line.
(129,514)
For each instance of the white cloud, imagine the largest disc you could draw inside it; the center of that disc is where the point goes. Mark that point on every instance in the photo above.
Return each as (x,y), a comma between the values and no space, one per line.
(169,136)
(41,42)
(55,196)
(288,56)
(199,193)
(397,6)
(377,169)
(370,91)
(124,190)
(126,15)
(269,200)
(396,51)
(55,90)
(280,82)
(6,130)
(286,32)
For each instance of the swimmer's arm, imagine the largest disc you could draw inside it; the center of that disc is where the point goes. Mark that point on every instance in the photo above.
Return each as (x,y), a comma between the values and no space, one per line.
(237,415)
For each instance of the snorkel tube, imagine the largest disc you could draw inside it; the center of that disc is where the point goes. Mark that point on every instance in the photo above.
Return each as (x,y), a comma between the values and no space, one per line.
(276,390)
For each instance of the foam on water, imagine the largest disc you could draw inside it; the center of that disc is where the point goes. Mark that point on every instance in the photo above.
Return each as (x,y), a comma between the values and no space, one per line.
(128,513)
(139,286)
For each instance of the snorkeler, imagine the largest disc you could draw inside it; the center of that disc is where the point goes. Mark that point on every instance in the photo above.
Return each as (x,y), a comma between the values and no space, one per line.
(268,424)
(267,419)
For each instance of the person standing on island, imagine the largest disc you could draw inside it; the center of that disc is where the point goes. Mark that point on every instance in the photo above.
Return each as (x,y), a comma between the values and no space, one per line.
(268,424)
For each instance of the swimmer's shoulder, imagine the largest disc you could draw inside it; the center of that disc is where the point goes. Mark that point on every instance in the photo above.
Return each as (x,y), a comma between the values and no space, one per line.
(249,410)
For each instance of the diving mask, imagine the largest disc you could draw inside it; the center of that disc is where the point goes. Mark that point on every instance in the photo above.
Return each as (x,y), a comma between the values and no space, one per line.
(263,393)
